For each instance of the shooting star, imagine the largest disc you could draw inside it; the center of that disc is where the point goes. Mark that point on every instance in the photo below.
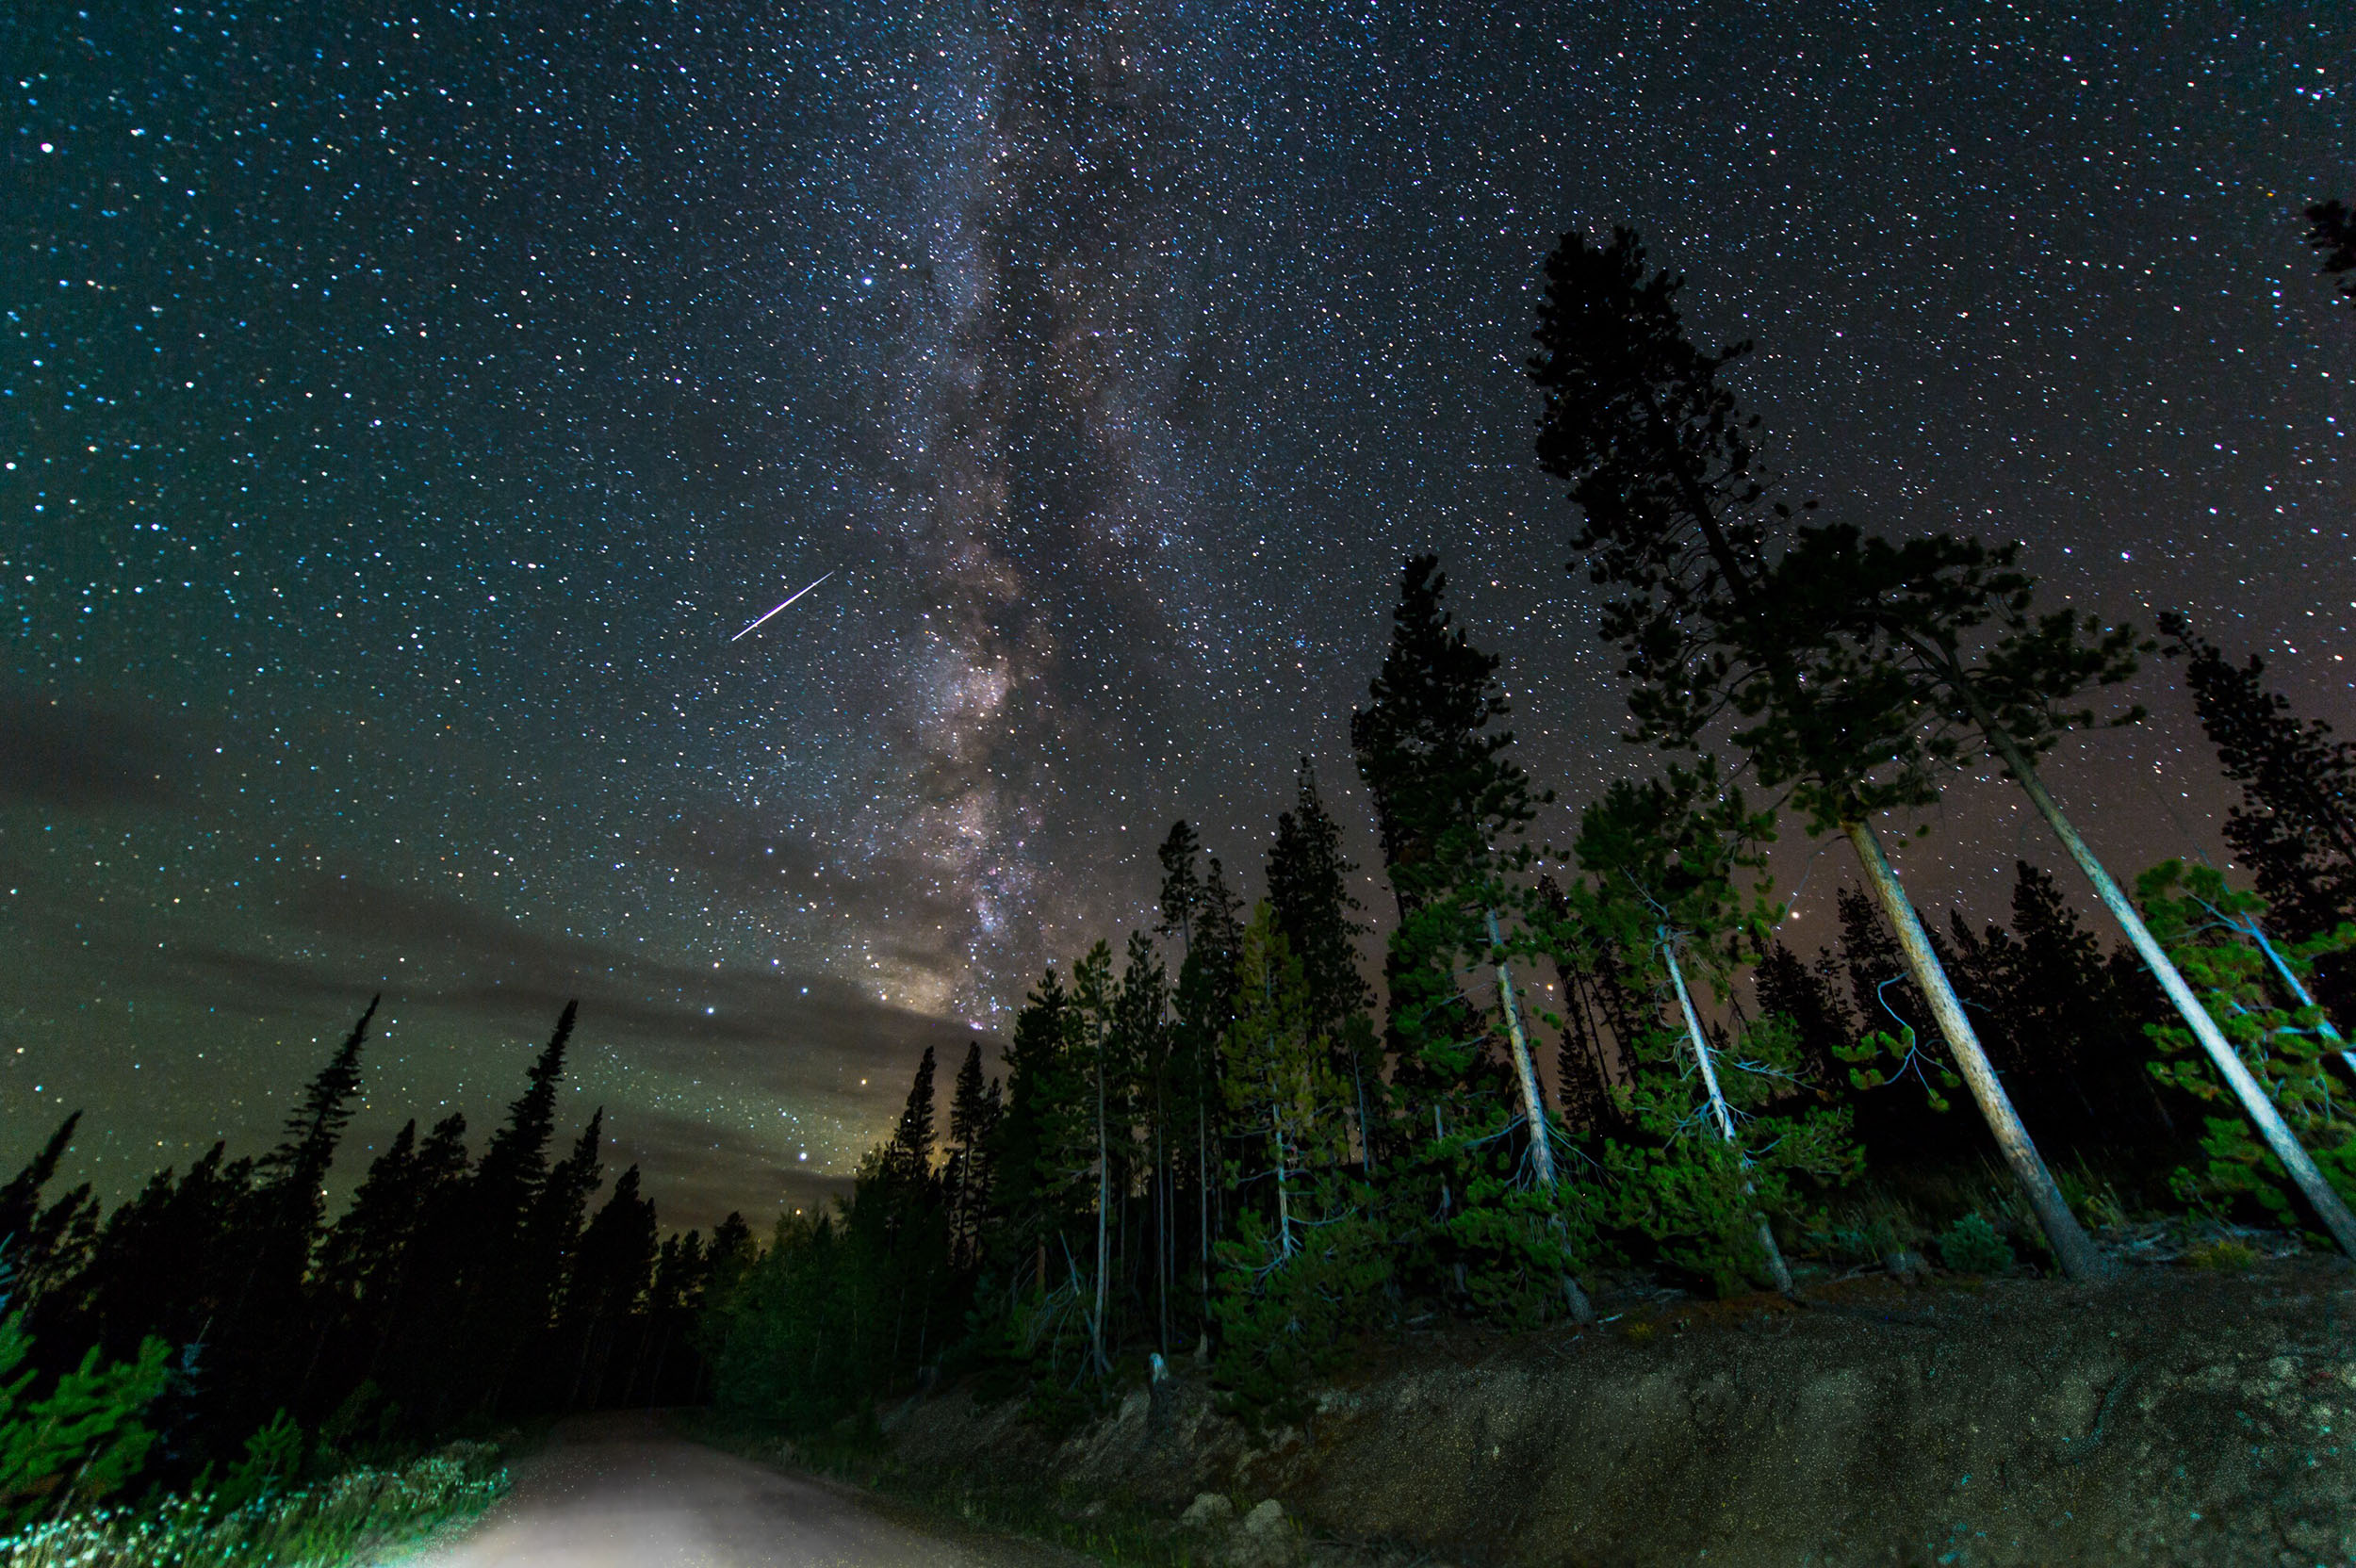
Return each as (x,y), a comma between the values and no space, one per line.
(756,625)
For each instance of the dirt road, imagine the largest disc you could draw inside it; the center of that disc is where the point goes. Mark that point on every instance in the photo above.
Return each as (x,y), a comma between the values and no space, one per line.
(622,1492)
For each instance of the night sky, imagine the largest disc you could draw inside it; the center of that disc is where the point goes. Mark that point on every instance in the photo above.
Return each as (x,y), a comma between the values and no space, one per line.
(403,408)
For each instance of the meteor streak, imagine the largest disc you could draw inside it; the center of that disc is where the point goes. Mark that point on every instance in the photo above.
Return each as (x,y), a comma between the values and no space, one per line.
(756,625)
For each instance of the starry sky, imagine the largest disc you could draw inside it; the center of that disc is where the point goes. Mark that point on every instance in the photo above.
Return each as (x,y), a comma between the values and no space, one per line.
(404,407)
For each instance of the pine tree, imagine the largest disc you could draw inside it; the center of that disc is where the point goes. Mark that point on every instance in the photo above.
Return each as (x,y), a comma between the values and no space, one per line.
(516,1161)
(2294,828)
(2331,229)
(1449,802)
(1600,1014)
(1786,987)
(264,1345)
(20,1200)
(1452,805)
(1182,883)
(2073,1021)
(967,1177)
(1306,1266)
(482,1294)
(1677,516)
(1987,675)
(295,1167)
(550,1242)
(612,1270)
(1023,1144)
(1675,882)
(910,1154)
(2198,917)
(1308,883)
(82,1440)
(361,1259)
(1093,995)
(1204,1004)
(1308,890)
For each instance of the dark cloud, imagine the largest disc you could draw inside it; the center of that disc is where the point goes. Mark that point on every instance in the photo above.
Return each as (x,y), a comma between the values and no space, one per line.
(472,960)
(699,1171)
(55,751)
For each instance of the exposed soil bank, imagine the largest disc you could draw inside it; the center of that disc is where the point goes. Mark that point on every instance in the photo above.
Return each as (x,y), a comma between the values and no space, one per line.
(2170,1416)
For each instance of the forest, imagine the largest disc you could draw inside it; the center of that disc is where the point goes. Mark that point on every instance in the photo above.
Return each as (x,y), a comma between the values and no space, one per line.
(220,1340)
(1225,1139)
(1279,1126)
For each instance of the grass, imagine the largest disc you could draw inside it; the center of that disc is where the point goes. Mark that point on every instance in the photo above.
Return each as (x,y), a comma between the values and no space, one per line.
(2224,1255)
(361,1512)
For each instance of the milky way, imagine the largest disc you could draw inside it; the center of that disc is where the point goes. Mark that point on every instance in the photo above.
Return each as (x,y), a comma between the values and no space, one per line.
(404,412)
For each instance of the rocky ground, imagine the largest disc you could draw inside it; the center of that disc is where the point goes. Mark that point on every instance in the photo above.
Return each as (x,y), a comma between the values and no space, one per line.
(2172,1416)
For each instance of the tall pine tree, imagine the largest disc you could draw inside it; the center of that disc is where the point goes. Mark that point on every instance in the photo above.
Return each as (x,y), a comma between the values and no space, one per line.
(2295,827)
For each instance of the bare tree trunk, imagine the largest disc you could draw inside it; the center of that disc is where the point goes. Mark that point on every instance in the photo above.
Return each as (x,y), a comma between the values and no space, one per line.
(1203,1193)
(1283,1198)
(1366,1128)
(2255,1104)
(1718,1111)
(1104,1203)
(1534,1105)
(1161,1220)
(2073,1249)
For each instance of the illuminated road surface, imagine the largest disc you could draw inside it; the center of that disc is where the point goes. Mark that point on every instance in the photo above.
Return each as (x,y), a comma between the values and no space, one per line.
(623,1494)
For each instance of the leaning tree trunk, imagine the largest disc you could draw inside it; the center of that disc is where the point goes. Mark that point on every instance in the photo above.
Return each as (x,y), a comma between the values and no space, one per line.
(2280,1140)
(1541,1155)
(1542,1152)
(2298,990)
(2073,1249)
(1776,1268)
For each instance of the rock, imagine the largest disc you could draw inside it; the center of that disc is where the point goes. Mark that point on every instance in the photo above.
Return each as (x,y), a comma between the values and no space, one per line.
(1266,1520)
(1210,1511)
(1265,1540)
(1907,1267)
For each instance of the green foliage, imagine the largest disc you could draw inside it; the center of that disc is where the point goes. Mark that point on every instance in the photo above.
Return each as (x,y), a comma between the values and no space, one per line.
(1699,1197)
(82,1440)
(1519,1242)
(1676,866)
(2224,1256)
(1288,1316)
(1972,1246)
(356,1513)
(2205,927)
(1881,1059)
(273,1459)
(1298,1277)
(793,1337)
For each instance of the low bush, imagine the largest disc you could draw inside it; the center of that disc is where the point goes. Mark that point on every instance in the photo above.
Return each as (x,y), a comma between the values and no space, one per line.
(1972,1246)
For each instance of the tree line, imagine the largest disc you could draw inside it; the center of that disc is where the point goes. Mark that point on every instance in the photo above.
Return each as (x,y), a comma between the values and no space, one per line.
(1223,1140)
(224,1305)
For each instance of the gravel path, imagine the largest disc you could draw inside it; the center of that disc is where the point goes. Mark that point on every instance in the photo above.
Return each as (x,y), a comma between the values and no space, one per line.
(622,1492)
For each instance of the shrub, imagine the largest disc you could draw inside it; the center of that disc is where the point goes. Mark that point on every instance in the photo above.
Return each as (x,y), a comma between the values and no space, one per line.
(2224,1255)
(1972,1245)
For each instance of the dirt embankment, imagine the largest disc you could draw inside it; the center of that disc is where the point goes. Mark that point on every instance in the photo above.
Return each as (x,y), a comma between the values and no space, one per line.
(2167,1417)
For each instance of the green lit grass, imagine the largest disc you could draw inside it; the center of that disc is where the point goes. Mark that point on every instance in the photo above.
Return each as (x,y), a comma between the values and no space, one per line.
(363,1512)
